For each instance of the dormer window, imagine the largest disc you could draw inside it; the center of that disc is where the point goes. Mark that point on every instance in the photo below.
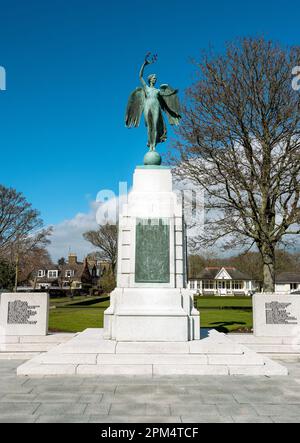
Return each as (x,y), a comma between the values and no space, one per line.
(69,273)
(41,273)
(52,274)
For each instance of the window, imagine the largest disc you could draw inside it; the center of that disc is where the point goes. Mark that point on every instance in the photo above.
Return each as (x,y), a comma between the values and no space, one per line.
(192,285)
(294,286)
(69,273)
(198,284)
(41,273)
(52,274)
(209,284)
(238,285)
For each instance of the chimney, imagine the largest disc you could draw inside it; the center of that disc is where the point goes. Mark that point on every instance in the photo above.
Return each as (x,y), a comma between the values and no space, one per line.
(72,259)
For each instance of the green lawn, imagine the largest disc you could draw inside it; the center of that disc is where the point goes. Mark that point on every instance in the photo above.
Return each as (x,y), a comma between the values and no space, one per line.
(61,301)
(75,320)
(226,320)
(222,302)
(71,319)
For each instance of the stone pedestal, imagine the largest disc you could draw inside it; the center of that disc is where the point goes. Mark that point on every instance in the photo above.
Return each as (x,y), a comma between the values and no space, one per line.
(151,302)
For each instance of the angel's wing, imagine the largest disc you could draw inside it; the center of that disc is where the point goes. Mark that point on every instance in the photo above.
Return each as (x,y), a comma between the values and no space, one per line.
(170,104)
(135,108)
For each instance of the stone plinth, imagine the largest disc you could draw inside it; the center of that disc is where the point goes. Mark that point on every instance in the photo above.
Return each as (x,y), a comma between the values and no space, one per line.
(24,314)
(151,315)
(276,315)
(89,354)
(151,302)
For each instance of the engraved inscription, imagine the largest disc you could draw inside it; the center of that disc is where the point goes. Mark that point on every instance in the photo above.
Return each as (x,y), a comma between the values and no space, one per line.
(20,313)
(152,251)
(278,314)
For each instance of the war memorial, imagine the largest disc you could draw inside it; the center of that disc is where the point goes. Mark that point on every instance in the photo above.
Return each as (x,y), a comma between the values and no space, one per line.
(151,328)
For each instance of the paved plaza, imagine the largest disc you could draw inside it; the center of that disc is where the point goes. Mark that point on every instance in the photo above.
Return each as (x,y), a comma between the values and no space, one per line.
(183,399)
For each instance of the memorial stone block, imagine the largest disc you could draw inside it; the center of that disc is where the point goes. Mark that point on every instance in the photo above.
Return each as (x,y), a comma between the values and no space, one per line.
(276,314)
(24,314)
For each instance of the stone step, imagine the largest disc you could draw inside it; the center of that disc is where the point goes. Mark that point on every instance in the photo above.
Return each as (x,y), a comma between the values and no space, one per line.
(80,347)
(51,338)
(149,370)
(41,370)
(152,348)
(26,347)
(275,349)
(18,355)
(89,354)
(135,359)
(252,340)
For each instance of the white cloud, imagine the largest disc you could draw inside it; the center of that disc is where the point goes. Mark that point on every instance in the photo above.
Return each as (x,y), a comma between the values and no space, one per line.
(68,235)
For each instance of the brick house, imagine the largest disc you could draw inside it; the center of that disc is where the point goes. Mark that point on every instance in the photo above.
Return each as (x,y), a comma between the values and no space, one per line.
(72,275)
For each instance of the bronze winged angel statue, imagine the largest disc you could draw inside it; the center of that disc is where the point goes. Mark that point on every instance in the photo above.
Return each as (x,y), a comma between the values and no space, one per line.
(152,102)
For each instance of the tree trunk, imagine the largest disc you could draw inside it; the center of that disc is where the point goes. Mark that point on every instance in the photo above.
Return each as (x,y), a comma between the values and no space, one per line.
(268,255)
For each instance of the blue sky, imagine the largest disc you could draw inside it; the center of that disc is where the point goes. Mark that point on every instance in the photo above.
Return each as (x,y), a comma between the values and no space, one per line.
(70,68)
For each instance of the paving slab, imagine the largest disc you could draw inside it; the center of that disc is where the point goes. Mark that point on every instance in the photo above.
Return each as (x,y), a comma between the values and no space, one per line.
(141,399)
(63,409)
(133,419)
(206,419)
(11,409)
(194,409)
(246,410)
(62,419)
(281,410)
(251,419)
(292,419)
(99,409)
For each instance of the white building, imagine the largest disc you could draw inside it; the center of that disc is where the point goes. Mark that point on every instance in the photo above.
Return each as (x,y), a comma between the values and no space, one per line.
(225,281)
(288,282)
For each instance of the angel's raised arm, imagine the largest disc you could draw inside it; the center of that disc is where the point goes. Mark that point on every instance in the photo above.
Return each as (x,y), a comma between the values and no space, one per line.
(142,73)
(149,60)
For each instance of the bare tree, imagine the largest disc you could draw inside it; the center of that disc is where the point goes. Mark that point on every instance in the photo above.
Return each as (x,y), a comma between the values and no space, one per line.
(21,228)
(106,239)
(30,261)
(239,141)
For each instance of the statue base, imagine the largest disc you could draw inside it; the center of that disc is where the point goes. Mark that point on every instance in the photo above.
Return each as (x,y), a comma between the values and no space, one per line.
(152,158)
(151,315)
(151,302)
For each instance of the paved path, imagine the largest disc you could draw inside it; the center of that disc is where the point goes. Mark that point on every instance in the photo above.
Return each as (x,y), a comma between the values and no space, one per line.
(164,400)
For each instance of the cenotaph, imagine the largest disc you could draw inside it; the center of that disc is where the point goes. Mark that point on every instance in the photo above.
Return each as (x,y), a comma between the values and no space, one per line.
(151,302)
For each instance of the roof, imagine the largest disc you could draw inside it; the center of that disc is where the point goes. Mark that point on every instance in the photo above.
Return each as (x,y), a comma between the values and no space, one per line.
(80,270)
(288,277)
(211,273)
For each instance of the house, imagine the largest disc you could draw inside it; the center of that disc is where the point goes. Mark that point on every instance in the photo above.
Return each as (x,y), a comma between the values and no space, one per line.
(223,281)
(72,275)
(288,282)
